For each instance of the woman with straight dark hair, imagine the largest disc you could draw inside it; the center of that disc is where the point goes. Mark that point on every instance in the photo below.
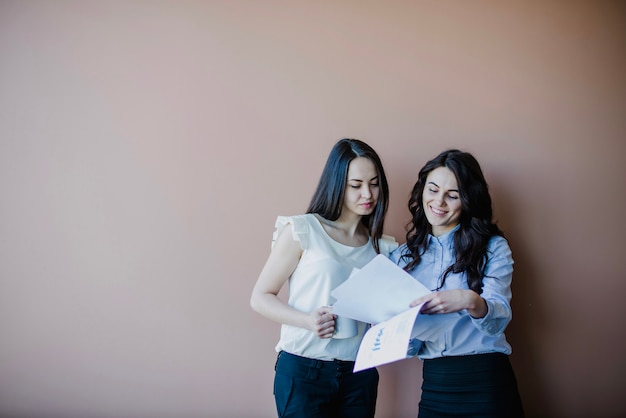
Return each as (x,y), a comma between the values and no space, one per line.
(454,248)
(315,252)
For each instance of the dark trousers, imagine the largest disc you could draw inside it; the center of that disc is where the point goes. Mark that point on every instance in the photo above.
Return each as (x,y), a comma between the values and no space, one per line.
(308,388)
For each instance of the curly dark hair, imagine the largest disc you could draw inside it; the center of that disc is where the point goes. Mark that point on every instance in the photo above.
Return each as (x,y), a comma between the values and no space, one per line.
(476,225)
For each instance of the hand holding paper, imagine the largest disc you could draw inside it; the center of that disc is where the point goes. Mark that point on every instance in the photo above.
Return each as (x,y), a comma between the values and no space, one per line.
(380,294)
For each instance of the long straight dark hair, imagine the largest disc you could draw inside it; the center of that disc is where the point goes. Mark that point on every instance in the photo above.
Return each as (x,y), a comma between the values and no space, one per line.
(476,225)
(328,199)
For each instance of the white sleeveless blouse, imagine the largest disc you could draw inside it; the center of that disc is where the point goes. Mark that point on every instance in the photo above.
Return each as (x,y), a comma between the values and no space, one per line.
(324,265)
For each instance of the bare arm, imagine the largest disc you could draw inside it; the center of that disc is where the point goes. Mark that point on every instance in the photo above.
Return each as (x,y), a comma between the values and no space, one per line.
(281,262)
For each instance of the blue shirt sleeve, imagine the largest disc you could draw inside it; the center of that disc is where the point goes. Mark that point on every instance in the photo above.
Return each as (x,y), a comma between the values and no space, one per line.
(497,288)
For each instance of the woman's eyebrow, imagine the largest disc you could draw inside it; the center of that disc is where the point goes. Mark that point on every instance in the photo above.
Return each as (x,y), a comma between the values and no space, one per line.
(373,178)
(436,185)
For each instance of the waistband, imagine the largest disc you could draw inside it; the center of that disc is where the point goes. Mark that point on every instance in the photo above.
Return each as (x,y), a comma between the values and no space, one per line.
(309,366)
(315,362)
(469,365)
(476,371)
(469,359)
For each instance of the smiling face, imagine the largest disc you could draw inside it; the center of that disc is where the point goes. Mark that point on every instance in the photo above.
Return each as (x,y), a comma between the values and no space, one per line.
(441,201)
(362,188)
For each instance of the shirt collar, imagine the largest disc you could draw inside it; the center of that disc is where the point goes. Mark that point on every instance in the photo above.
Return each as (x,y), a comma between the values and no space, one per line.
(447,237)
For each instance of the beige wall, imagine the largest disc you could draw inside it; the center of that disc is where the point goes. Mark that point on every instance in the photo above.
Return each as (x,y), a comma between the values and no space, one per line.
(147,147)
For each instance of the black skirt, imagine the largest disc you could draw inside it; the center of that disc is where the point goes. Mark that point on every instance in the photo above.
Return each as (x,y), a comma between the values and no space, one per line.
(481,385)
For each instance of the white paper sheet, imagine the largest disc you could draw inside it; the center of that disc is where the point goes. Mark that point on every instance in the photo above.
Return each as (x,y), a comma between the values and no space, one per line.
(380,294)
(377,292)
(386,342)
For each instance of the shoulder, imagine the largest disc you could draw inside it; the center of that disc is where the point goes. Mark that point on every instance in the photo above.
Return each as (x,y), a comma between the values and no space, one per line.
(497,242)
(396,255)
(387,244)
(299,225)
(295,220)
(498,246)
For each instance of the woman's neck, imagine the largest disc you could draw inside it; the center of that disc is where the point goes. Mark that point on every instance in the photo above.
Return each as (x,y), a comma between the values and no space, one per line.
(349,231)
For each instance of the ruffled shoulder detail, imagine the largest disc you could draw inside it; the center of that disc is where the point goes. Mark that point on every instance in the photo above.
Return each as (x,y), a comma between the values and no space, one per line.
(387,244)
(300,228)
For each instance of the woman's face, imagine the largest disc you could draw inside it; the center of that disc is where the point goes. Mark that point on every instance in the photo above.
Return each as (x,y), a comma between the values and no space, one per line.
(362,189)
(441,201)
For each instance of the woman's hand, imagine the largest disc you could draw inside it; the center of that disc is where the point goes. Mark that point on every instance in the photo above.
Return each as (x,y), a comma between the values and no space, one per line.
(322,322)
(454,300)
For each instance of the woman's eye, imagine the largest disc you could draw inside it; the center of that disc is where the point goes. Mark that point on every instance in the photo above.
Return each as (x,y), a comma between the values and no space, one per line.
(374,185)
(453,197)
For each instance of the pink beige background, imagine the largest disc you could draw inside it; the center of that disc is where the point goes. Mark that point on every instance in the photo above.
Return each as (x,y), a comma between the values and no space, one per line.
(146,148)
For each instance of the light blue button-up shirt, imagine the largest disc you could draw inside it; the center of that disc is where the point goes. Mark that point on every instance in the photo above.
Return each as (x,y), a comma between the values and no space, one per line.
(467,335)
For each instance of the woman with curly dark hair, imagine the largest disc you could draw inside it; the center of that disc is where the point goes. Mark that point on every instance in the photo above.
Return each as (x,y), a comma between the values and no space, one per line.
(454,248)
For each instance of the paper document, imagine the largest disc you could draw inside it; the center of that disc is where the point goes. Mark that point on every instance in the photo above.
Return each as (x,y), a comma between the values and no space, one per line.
(380,294)
(377,292)
(386,342)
